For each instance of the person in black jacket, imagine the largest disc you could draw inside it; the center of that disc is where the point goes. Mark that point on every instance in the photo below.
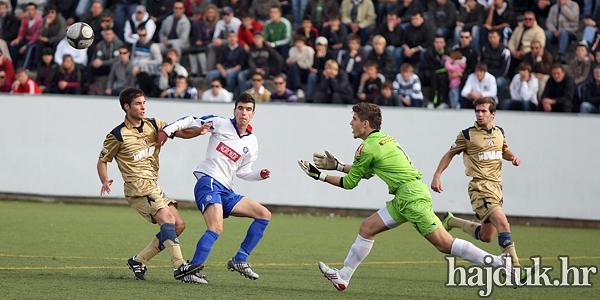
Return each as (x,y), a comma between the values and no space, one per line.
(417,38)
(262,59)
(10,24)
(497,57)
(591,94)
(559,92)
(333,86)
(434,73)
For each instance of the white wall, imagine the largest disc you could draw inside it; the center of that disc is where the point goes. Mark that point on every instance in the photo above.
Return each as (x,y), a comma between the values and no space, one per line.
(49,145)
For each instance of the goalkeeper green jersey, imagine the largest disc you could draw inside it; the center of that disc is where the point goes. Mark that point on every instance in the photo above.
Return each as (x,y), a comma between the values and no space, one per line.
(380,154)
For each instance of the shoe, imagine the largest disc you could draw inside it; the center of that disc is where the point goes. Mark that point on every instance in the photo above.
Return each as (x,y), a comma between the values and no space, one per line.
(187,269)
(300,94)
(196,278)
(446,219)
(138,268)
(515,276)
(243,268)
(333,275)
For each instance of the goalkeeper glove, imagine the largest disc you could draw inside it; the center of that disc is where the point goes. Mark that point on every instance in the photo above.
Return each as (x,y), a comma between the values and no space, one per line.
(311,170)
(327,161)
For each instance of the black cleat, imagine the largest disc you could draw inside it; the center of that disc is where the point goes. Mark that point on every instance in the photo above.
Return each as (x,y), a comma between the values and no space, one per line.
(138,268)
(187,269)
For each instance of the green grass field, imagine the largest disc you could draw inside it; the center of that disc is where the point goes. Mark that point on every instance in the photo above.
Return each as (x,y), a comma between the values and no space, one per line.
(72,251)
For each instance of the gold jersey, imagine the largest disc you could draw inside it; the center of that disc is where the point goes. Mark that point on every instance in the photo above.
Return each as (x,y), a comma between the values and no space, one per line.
(482,151)
(134,149)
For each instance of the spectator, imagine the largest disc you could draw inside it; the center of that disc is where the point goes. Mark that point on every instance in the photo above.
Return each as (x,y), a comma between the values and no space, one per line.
(590,94)
(122,10)
(194,9)
(281,92)
(559,92)
(541,9)
(140,18)
(322,55)
(278,32)
(309,31)
(418,38)
(497,58)
(443,14)
(47,72)
(455,65)
(69,77)
(370,83)
(247,30)
(298,8)
(407,86)
(53,30)
(467,49)
(108,22)
(239,7)
(579,67)
(351,61)
(258,90)
(6,65)
(384,59)
(561,25)
(175,30)
(336,34)
(360,17)
(79,55)
(393,34)
(9,24)
(94,17)
(231,60)
(159,10)
(470,17)
(541,64)
(523,91)
(181,90)
(145,54)
(261,9)
(5,86)
(479,84)
(216,93)
(174,56)
(501,18)
(121,74)
(590,29)
(201,47)
(29,33)
(333,86)
(24,84)
(228,23)
(434,73)
(387,97)
(520,41)
(406,9)
(64,8)
(321,12)
(105,54)
(299,63)
(262,59)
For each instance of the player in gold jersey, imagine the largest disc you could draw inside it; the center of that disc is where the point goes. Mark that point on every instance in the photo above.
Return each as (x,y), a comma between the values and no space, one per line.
(133,145)
(483,146)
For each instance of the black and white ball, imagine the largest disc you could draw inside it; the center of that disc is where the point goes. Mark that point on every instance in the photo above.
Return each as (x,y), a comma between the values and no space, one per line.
(80,35)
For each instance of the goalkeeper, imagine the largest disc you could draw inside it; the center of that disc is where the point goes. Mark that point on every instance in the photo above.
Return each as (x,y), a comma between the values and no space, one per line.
(379,154)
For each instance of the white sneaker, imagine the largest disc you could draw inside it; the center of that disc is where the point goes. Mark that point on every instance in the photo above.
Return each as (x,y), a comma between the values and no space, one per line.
(243,268)
(196,278)
(333,275)
(300,94)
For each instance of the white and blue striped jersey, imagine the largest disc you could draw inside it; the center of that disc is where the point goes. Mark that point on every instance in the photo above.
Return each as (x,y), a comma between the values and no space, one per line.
(227,152)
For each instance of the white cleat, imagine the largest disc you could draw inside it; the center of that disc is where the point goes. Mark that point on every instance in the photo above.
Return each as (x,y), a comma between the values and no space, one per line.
(333,275)
(243,268)
(196,278)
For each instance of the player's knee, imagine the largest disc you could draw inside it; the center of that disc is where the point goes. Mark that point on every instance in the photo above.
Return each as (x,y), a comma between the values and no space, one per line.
(179,227)
(265,214)
(216,228)
(485,238)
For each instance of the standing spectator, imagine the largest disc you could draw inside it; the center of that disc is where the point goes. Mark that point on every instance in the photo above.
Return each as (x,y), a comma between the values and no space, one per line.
(470,17)
(497,58)
(501,18)
(336,34)
(523,91)
(333,86)
(479,84)
(322,55)
(281,92)
(360,17)
(591,94)
(24,84)
(299,62)
(370,83)
(261,9)
(278,32)
(387,97)
(258,90)
(228,23)
(443,14)
(309,31)
(47,72)
(321,12)
(407,86)
(231,59)
(434,73)
(175,30)
(141,18)
(6,65)
(201,36)
(579,67)
(69,77)
(9,24)
(351,61)
(250,26)
(121,75)
(262,59)
(541,62)
(418,38)
(393,34)
(520,41)
(5,86)
(561,25)
(182,90)
(559,92)
(216,93)
(384,59)
(455,65)
(79,55)
(29,33)
(105,54)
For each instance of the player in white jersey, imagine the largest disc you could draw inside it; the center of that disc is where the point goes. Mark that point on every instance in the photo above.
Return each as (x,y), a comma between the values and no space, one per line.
(232,149)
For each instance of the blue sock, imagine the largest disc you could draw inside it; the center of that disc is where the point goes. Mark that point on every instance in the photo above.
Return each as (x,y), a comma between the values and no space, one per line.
(253,236)
(504,239)
(204,246)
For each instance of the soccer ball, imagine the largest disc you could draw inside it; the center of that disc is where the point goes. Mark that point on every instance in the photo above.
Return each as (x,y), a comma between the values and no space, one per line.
(80,35)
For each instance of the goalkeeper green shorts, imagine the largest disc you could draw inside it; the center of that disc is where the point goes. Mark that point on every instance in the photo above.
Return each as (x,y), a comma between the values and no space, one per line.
(413,204)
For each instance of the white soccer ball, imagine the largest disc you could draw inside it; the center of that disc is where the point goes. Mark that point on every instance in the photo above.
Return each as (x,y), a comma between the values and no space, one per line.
(80,35)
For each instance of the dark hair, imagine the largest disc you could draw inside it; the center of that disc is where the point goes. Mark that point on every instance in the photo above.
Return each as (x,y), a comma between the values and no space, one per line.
(480,66)
(353,37)
(387,85)
(486,100)
(525,66)
(127,95)
(246,98)
(368,112)
(32,4)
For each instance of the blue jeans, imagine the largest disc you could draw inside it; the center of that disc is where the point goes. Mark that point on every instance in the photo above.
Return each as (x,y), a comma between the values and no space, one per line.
(589,108)
(454,96)
(243,81)
(510,104)
(564,38)
(123,13)
(310,84)
(298,8)
(230,79)
(589,34)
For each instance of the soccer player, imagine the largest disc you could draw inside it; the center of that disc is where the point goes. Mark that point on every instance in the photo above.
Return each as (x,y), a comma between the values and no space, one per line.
(133,145)
(232,150)
(483,146)
(380,154)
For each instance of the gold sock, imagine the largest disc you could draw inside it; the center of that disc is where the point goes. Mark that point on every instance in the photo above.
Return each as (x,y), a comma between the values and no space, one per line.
(513,254)
(175,251)
(467,226)
(150,251)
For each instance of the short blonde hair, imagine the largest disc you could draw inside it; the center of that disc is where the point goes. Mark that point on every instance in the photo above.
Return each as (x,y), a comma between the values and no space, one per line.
(379,39)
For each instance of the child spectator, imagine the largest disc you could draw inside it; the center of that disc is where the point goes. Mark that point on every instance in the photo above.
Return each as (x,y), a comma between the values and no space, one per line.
(309,31)
(455,64)
(24,84)
(351,61)
(333,86)
(299,62)
(182,90)
(387,97)
(370,83)
(5,86)
(407,86)
(47,72)
(523,90)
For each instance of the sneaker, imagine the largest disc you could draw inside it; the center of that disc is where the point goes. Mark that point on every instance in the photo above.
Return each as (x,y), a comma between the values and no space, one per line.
(187,269)
(243,268)
(300,94)
(138,268)
(447,218)
(196,278)
(333,275)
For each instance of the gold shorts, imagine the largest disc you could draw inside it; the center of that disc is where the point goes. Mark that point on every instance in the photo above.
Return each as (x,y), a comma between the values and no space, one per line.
(486,197)
(146,197)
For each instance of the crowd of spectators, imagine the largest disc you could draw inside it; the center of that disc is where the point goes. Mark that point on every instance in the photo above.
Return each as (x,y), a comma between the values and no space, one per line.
(439,54)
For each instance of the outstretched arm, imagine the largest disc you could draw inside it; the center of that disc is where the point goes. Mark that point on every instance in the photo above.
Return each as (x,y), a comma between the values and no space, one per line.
(436,183)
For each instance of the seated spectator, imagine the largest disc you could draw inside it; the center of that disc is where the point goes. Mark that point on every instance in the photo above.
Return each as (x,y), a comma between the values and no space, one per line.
(281,92)
(9,23)
(202,50)
(6,65)
(309,31)
(541,62)
(94,17)
(166,78)
(23,45)
(360,17)
(580,66)
(231,59)
(181,90)
(228,23)
(23,84)
(322,55)
(175,30)
(590,94)
(105,54)
(53,30)
(470,17)
(497,58)
(434,73)
(407,86)
(322,12)
(387,97)
(140,19)
(523,91)
(258,90)
(479,84)
(561,25)
(216,93)
(63,48)
(501,18)
(370,82)
(173,54)
(393,34)
(455,65)
(559,92)
(261,59)
(520,41)
(250,26)
(418,38)
(278,31)
(261,9)
(384,59)
(407,8)
(591,23)
(299,62)
(443,14)
(121,74)
(47,72)
(333,86)
(466,46)
(69,77)
(351,61)
(336,34)
(145,54)
(5,86)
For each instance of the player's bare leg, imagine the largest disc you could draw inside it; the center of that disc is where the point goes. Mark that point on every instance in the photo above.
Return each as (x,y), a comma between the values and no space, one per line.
(500,223)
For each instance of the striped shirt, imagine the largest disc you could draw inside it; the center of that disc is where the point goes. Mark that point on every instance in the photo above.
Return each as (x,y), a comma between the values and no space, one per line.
(410,88)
